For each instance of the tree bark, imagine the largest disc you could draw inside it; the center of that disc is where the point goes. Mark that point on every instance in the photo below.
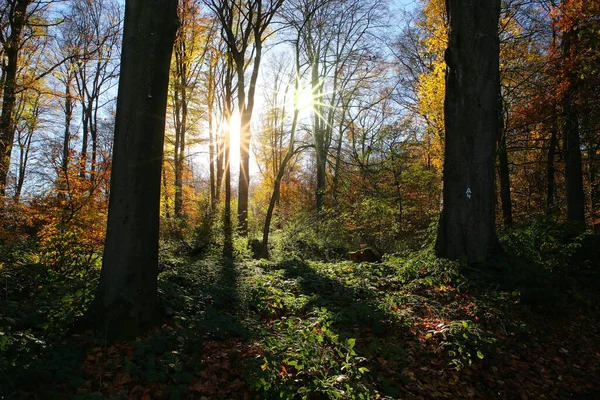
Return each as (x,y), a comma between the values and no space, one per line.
(471,109)
(126,301)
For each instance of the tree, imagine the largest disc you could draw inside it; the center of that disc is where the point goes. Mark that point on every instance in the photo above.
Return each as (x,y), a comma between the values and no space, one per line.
(471,110)
(243,28)
(336,42)
(188,57)
(16,13)
(279,163)
(126,300)
(570,116)
(94,27)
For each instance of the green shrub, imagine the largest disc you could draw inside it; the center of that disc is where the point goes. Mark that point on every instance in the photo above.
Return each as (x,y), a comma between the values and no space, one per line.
(304,357)
(313,237)
(464,340)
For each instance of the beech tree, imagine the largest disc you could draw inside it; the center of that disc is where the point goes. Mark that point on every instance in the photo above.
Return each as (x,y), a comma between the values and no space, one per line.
(95,31)
(16,13)
(243,28)
(126,300)
(188,58)
(571,119)
(472,123)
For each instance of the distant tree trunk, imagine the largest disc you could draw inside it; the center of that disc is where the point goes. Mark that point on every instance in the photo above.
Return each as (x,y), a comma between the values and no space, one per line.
(181,99)
(84,142)
(227,228)
(319,138)
(594,188)
(504,173)
(24,144)
(126,302)
(12,46)
(571,141)
(211,147)
(165,192)
(550,169)
(471,111)
(227,107)
(245,134)
(220,150)
(220,167)
(68,118)
(338,157)
(24,150)
(277,184)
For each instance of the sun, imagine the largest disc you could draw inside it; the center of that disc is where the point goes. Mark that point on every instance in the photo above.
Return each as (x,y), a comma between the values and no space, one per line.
(305,98)
(234,141)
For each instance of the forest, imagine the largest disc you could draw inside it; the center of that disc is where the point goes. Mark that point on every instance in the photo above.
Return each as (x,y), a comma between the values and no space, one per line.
(299,199)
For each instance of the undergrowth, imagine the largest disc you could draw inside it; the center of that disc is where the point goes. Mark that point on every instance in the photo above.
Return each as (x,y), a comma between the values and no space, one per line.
(295,328)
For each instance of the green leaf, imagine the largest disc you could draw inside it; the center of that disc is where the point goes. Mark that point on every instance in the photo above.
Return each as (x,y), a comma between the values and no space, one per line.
(480,354)
(351,342)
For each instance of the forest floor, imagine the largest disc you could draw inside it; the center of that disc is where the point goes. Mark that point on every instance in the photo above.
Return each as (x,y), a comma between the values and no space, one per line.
(406,328)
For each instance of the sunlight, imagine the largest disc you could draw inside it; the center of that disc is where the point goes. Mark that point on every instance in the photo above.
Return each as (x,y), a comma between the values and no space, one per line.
(234,145)
(305,99)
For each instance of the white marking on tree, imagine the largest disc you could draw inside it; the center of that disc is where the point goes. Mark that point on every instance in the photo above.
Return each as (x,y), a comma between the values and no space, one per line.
(469,193)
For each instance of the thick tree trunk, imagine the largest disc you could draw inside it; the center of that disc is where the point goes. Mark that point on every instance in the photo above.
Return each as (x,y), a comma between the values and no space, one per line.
(9,91)
(471,109)
(126,302)
(571,141)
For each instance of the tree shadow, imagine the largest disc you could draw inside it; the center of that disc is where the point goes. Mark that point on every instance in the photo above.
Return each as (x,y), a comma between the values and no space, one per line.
(358,313)
(356,310)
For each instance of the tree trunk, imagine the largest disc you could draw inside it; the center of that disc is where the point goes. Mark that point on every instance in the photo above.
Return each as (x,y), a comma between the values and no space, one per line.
(94,136)
(211,150)
(594,188)
(571,141)
(277,184)
(338,157)
(126,302)
(67,132)
(11,53)
(550,169)
(244,177)
(84,142)
(246,108)
(319,137)
(181,113)
(504,177)
(471,111)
